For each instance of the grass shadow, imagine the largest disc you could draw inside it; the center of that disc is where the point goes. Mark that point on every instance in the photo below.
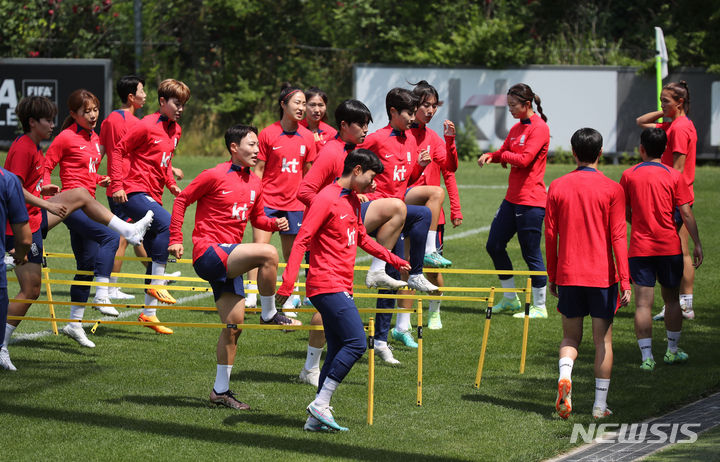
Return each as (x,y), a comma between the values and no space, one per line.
(162,400)
(543,410)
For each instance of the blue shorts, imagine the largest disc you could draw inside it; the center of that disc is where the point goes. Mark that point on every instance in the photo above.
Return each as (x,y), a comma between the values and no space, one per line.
(35,254)
(363,210)
(668,269)
(580,301)
(212,266)
(294,218)
(117,209)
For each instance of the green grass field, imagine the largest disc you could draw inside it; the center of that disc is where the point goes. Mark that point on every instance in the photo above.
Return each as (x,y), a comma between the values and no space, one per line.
(139,395)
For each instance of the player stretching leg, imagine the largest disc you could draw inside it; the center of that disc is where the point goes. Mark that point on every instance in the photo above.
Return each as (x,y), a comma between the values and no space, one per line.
(653,190)
(584,227)
(149,146)
(332,231)
(229,195)
(522,211)
(383,218)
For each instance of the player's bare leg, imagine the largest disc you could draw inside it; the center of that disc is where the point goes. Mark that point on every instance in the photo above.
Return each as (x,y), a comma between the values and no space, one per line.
(688,280)
(387,217)
(231,308)
(432,197)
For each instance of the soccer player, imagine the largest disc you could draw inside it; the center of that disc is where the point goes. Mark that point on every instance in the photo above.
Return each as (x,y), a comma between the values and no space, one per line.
(287,150)
(652,191)
(403,164)
(77,150)
(316,117)
(149,146)
(14,213)
(584,227)
(25,159)
(229,195)
(332,230)
(523,208)
(383,218)
(444,163)
(131,90)
(679,154)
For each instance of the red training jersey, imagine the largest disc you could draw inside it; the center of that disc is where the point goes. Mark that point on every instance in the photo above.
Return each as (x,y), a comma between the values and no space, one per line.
(328,166)
(652,190)
(78,152)
(584,227)
(148,147)
(682,138)
(113,128)
(25,159)
(285,155)
(332,229)
(525,149)
(324,133)
(228,196)
(399,155)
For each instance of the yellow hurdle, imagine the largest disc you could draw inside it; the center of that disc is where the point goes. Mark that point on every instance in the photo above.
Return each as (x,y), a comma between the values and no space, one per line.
(528,293)
(371,370)
(486,332)
(420,352)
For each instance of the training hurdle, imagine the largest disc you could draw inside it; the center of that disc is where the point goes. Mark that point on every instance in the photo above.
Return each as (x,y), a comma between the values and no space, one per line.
(48,281)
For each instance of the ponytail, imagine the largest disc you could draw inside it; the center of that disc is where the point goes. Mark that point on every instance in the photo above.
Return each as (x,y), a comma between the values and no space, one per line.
(539,107)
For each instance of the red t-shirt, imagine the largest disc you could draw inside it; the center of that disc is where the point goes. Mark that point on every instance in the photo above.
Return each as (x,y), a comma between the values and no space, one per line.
(113,128)
(652,190)
(328,166)
(399,155)
(285,155)
(584,227)
(331,231)
(25,159)
(324,134)
(227,196)
(78,153)
(148,147)
(682,138)
(525,149)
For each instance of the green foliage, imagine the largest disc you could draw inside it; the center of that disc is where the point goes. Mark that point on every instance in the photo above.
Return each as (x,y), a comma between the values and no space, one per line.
(466,141)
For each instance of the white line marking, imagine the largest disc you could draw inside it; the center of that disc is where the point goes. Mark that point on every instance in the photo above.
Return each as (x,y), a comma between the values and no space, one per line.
(123,314)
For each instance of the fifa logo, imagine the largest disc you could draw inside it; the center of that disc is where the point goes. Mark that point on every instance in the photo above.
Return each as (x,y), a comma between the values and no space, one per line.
(239,212)
(289,166)
(399,173)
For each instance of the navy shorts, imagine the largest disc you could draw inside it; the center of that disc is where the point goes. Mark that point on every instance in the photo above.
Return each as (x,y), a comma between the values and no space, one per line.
(667,269)
(363,210)
(580,301)
(294,218)
(35,254)
(212,266)
(117,209)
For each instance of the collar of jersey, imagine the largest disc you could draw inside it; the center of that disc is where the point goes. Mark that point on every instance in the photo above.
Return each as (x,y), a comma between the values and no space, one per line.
(293,133)
(585,169)
(237,168)
(398,133)
(525,121)
(80,129)
(651,164)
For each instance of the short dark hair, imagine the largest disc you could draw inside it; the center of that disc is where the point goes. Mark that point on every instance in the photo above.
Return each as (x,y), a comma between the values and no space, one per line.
(36,107)
(352,111)
(128,85)
(365,158)
(401,99)
(587,144)
(236,133)
(654,141)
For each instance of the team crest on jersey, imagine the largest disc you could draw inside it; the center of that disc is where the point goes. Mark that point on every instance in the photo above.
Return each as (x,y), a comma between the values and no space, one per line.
(175,140)
(409,157)
(302,150)
(522,140)
(252,195)
(97,146)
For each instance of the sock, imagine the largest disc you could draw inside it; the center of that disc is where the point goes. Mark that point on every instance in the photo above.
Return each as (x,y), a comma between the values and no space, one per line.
(222,378)
(380,343)
(377,264)
(101,291)
(565,365)
(430,242)
(508,284)
(121,227)
(326,392)
(673,339)
(645,345)
(77,312)
(601,391)
(434,305)
(538,295)
(158,269)
(402,322)
(312,360)
(686,302)
(267,306)
(251,297)
(113,290)
(150,301)
(9,329)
